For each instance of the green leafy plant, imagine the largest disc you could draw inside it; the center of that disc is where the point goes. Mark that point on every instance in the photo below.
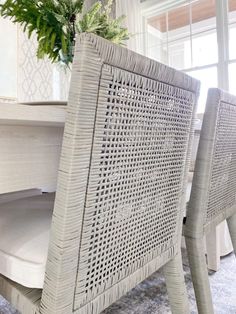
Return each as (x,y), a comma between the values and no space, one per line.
(98,21)
(56,22)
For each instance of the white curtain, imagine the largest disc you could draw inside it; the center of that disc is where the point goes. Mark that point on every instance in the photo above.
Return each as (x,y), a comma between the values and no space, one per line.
(132,10)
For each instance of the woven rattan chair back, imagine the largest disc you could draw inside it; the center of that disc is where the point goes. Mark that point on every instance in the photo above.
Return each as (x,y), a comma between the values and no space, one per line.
(214,183)
(119,201)
(118,207)
(213,195)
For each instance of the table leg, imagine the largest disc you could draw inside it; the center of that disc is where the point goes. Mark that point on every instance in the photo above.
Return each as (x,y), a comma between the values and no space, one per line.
(218,243)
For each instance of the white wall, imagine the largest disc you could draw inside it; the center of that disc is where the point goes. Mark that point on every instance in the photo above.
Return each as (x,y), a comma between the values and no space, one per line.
(8,58)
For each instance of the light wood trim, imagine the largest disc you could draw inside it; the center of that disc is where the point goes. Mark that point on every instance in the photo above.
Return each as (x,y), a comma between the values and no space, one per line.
(180,17)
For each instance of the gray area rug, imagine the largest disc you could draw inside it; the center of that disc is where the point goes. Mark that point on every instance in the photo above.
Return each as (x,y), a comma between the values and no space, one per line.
(150,297)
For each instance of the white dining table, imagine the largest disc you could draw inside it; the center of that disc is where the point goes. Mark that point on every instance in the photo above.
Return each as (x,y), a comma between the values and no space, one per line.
(30,141)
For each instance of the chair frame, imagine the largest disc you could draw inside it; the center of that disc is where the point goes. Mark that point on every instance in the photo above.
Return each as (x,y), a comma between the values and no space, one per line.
(197,224)
(58,294)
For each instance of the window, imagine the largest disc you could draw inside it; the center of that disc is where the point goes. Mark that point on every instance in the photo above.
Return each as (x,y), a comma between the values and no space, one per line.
(232,46)
(185,35)
(208,78)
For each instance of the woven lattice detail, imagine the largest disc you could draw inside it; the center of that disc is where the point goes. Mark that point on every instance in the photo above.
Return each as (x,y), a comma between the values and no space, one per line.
(223,176)
(136,178)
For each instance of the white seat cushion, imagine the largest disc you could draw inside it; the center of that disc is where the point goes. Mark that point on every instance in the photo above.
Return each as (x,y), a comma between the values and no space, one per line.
(24,239)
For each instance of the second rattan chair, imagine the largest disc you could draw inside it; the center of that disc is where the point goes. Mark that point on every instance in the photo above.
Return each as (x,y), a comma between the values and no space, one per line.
(119,203)
(213,195)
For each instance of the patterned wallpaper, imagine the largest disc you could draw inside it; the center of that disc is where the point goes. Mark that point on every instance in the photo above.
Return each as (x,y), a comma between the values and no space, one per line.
(34,76)
(38,80)
(31,79)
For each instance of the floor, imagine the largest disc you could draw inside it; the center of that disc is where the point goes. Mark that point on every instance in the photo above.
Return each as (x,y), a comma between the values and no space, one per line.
(150,296)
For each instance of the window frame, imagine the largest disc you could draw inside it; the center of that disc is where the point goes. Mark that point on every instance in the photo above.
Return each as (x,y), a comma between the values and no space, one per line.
(150,8)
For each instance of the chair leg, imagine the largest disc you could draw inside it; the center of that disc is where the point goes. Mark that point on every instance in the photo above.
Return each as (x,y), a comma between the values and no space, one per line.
(231,221)
(199,273)
(213,249)
(174,276)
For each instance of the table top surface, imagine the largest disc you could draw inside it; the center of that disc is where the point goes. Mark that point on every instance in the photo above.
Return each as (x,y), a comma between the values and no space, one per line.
(20,114)
(51,113)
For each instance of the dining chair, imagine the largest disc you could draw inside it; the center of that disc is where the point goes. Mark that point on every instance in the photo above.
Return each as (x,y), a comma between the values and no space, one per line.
(118,209)
(213,194)
(218,242)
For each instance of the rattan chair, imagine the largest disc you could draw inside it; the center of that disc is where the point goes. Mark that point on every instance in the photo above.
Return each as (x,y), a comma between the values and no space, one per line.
(120,197)
(213,195)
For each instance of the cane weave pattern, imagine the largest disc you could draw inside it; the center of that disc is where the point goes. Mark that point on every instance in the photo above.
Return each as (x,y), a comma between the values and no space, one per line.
(223,176)
(138,160)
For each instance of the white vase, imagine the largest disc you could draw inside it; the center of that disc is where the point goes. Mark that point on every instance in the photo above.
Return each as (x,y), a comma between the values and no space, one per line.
(61,82)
